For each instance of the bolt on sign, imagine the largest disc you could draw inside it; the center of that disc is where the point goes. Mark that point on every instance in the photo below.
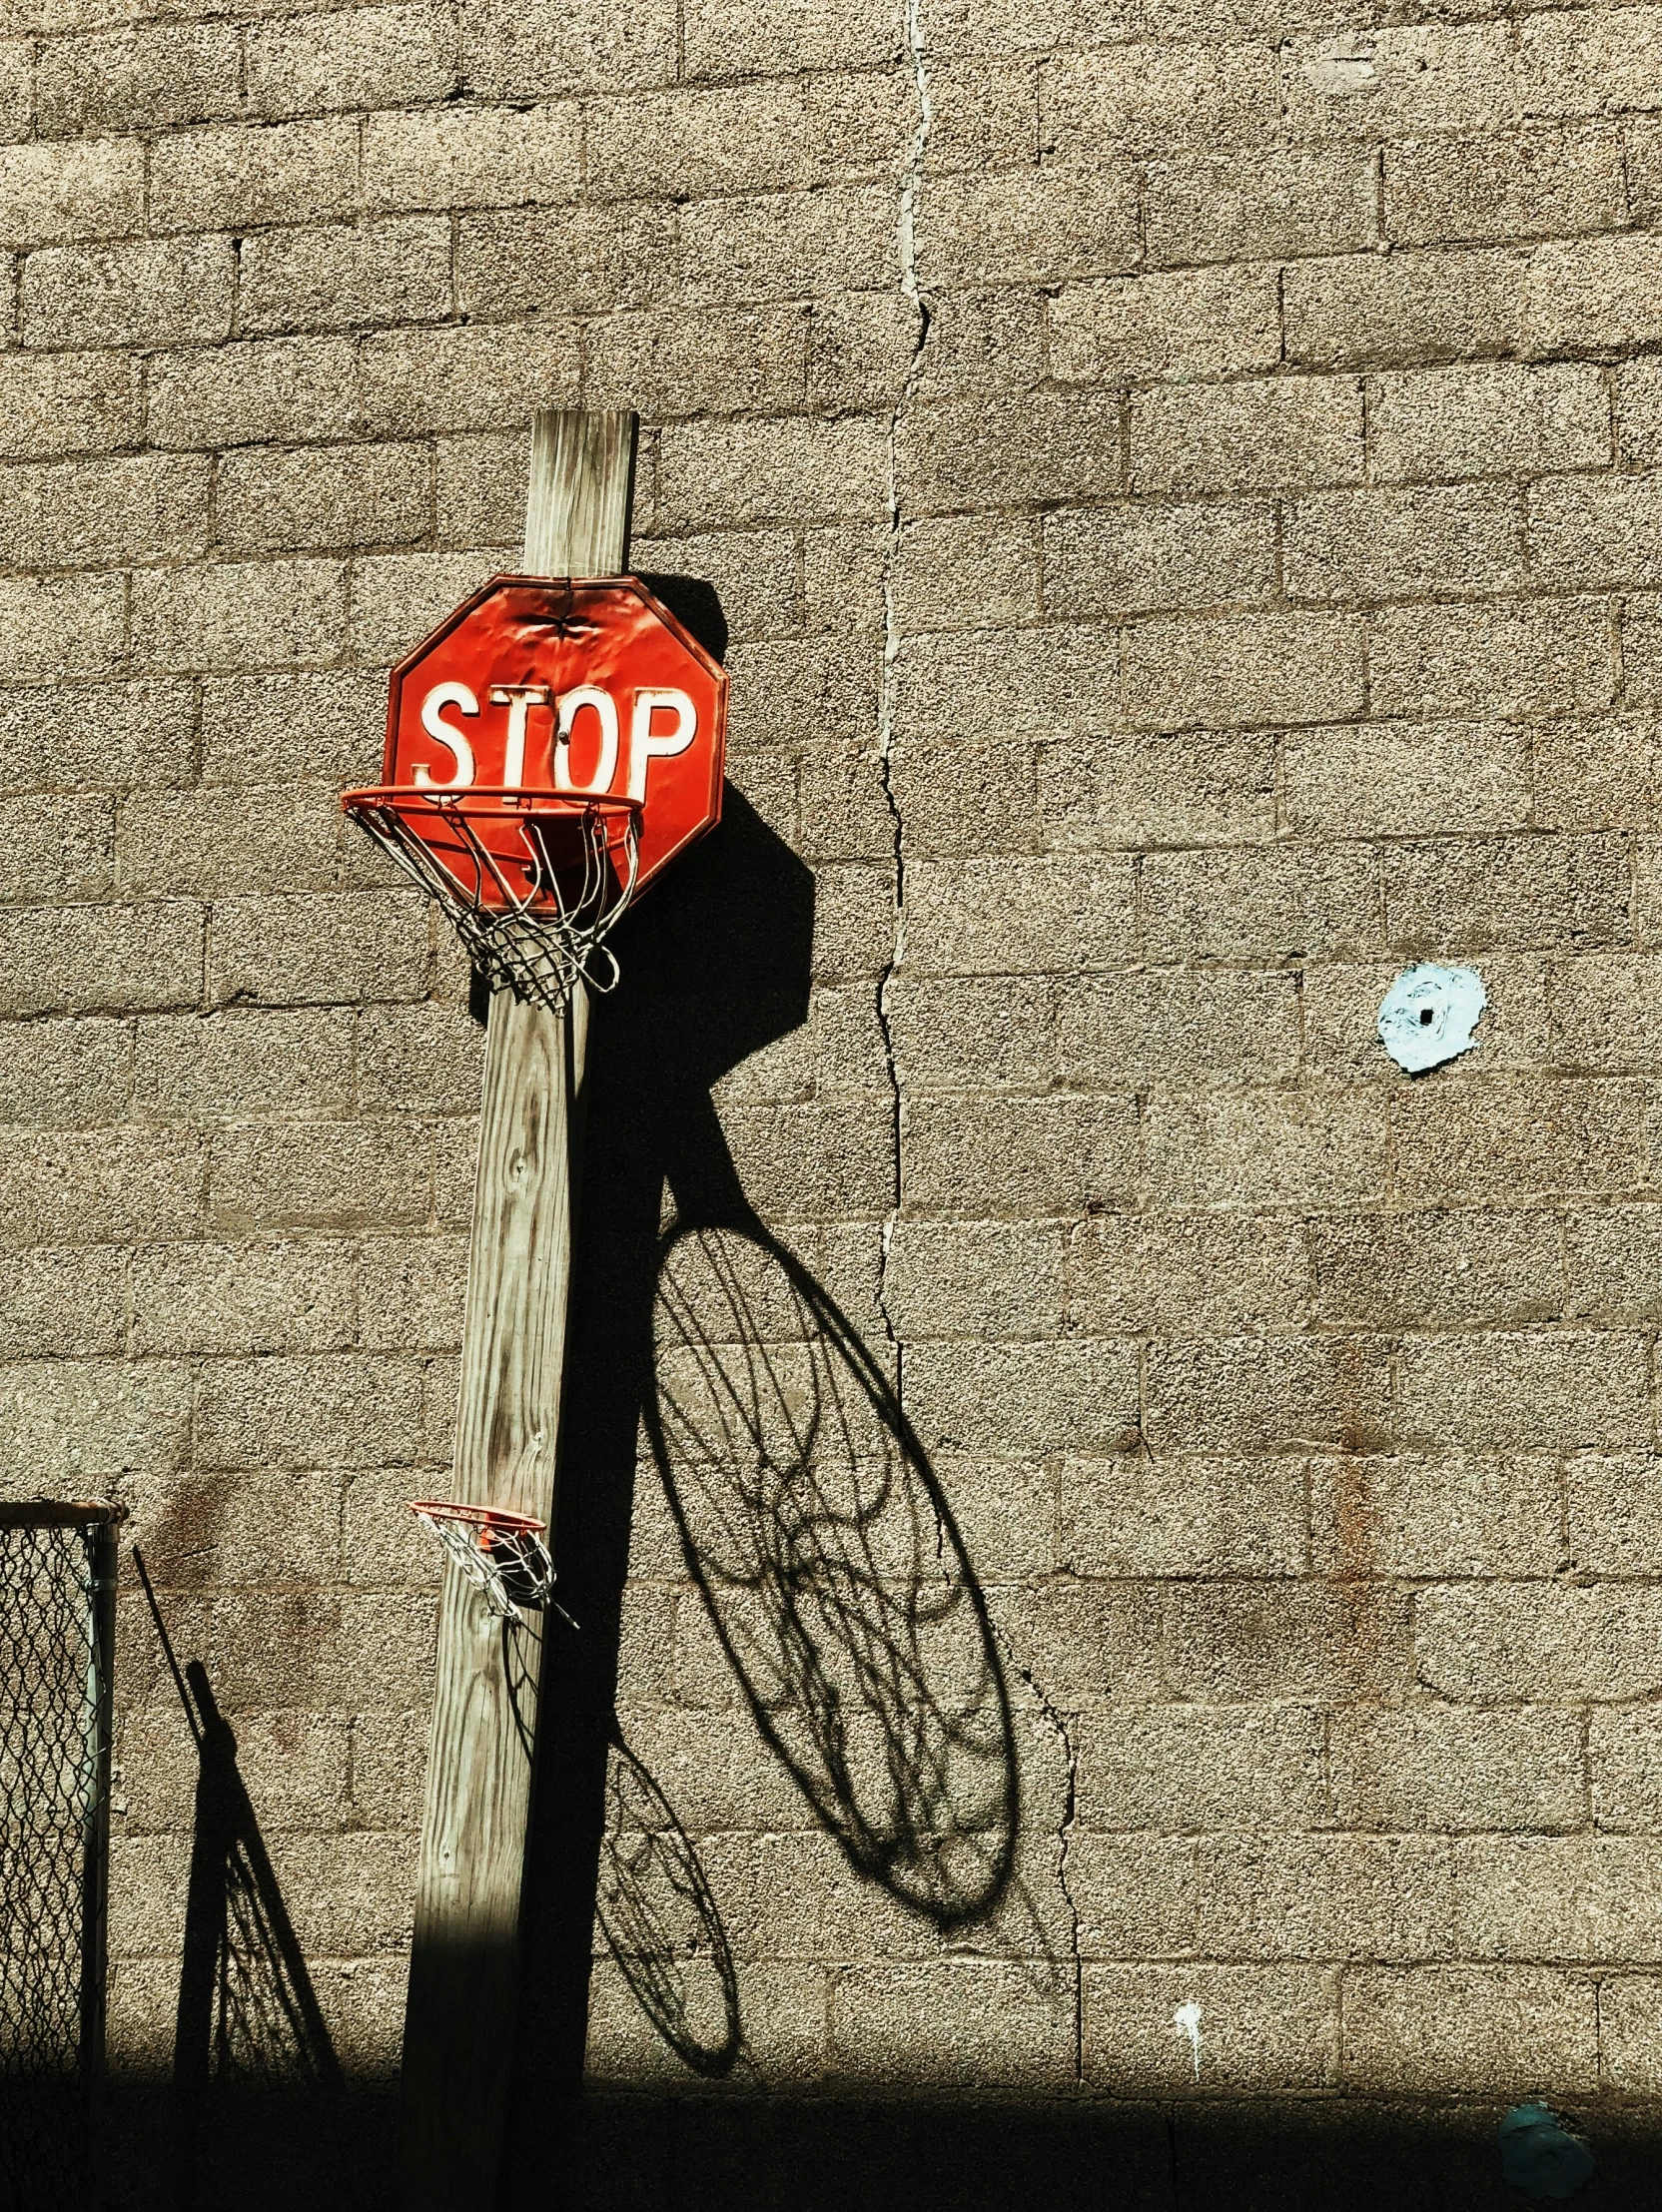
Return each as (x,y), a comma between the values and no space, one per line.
(550,748)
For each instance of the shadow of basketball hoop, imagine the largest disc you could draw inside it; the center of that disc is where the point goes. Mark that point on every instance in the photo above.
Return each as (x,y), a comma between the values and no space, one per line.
(661,1923)
(836,1580)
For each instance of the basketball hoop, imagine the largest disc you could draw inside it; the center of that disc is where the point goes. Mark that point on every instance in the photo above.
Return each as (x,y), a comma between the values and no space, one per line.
(531,880)
(501,1554)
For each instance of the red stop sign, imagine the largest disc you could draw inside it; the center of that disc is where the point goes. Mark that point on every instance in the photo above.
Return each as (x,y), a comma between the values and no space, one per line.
(587,687)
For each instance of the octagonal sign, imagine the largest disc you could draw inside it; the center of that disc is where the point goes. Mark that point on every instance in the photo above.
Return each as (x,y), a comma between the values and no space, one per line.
(589,687)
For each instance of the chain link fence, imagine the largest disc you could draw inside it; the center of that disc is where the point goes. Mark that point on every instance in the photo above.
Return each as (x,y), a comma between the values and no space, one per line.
(57,1619)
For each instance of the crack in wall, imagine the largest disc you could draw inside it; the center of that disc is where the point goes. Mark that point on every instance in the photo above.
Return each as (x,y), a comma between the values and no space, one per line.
(905,244)
(1064,1735)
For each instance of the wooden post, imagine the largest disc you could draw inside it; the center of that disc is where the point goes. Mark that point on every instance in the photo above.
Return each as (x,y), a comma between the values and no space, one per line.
(482,1747)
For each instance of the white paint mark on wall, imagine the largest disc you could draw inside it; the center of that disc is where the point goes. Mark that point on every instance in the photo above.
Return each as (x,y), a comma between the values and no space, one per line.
(1428,1014)
(1187,2018)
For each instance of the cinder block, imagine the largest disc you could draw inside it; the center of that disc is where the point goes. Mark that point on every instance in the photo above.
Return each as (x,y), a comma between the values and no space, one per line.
(984,2023)
(963,572)
(230,180)
(72,1074)
(1503,419)
(240,395)
(861,347)
(1592,293)
(755,575)
(395,270)
(328,1175)
(231,1531)
(1482,2030)
(769,134)
(1148,1026)
(1184,325)
(1275,435)
(57,626)
(974,1279)
(562,261)
(416,381)
(1399,81)
(1561,1897)
(1600,1013)
(1629,2006)
(61,847)
(68,403)
(987,450)
(466,157)
(1179,1516)
(691,362)
(1432,1765)
(1264,2028)
(817,1161)
(71,1302)
(481,489)
(1552,893)
(397,598)
(1389,545)
(284,1297)
(1398,778)
(98,735)
(95,959)
(1182,787)
(419,1059)
(1589,66)
(208,840)
(1083,1643)
(346,948)
(1642,141)
(1527,1389)
(356,58)
(225,1065)
(984,115)
(1524,658)
(1061,913)
(986,341)
(800,694)
(340,496)
(1220,670)
(324,728)
(1025,1399)
(1436,1513)
(244,615)
(1260,904)
(1375,309)
(1047,1155)
(338,1409)
(581,47)
(1257,1394)
(1457,1269)
(1600,774)
(115,1185)
(412,1291)
(1139,99)
(843,571)
(1516,1138)
(1624,1762)
(1200,1766)
(789,470)
(92,1421)
(1159,1274)
(53,194)
(1529,184)
(950,800)
(1133,558)
(1589,531)
(799,35)
(167,292)
(1257,205)
(1026,225)
(146,78)
(779,245)
(83,513)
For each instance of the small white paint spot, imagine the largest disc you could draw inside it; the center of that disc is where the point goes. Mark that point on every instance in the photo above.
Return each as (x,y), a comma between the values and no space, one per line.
(1187,2018)
(1344,68)
(1428,1014)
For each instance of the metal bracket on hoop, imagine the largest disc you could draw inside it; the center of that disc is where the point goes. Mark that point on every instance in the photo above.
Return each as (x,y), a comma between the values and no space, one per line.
(501,1554)
(532,882)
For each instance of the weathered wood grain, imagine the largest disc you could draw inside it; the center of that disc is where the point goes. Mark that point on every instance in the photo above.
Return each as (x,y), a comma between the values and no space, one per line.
(463,1976)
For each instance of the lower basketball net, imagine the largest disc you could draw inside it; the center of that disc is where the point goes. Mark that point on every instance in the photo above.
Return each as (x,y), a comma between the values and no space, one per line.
(532,881)
(501,1554)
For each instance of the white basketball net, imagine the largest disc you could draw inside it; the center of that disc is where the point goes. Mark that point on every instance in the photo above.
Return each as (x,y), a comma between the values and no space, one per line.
(541,942)
(501,1555)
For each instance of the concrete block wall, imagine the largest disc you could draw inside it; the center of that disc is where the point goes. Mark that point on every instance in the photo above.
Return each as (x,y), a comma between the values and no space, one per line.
(1181,488)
